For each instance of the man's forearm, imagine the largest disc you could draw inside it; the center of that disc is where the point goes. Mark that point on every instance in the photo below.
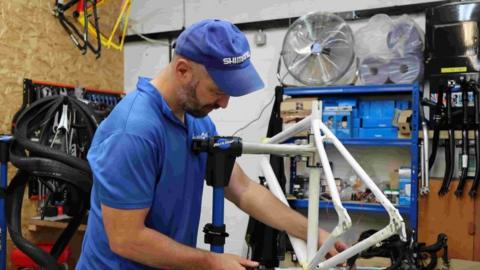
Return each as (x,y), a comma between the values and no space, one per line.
(273,212)
(260,203)
(157,250)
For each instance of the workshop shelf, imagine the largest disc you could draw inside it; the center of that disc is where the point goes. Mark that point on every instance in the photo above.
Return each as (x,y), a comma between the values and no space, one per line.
(349,89)
(377,142)
(411,92)
(366,141)
(350,206)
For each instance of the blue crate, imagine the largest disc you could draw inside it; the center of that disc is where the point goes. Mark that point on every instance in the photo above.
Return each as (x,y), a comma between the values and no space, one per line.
(377,113)
(402,105)
(377,133)
(405,191)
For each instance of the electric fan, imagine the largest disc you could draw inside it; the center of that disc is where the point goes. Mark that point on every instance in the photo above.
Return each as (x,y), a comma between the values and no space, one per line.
(318,49)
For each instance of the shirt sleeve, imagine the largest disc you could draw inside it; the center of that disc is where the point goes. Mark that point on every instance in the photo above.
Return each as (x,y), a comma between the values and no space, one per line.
(125,169)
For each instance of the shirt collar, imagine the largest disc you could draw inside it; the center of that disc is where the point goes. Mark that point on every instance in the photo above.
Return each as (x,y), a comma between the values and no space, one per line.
(144,84)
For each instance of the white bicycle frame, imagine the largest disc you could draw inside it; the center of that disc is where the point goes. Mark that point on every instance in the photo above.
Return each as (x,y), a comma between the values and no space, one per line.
(308,254)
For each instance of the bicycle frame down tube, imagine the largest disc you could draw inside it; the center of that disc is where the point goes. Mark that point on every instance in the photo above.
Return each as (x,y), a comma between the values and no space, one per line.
(299,246)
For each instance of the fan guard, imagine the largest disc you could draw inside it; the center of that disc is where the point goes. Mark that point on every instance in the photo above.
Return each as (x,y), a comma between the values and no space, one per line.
(318,49)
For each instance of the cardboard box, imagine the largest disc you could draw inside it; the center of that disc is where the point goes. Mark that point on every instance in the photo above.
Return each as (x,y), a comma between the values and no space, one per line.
(405,188)
(339,120)
(295,109)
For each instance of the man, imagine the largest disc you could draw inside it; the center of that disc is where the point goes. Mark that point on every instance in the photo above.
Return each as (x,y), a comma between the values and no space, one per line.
(146,197)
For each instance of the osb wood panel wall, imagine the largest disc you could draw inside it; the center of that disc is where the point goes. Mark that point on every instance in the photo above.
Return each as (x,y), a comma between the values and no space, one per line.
(34,45)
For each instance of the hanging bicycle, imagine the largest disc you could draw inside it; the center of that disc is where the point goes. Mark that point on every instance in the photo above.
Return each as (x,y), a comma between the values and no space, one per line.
(86,12)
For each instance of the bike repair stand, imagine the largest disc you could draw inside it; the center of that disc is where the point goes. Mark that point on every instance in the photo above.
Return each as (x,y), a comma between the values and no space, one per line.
(4,148)
(222,152)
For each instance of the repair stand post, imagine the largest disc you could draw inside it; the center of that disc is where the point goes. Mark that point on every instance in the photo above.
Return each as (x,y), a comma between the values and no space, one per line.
(222,152)
(4,146)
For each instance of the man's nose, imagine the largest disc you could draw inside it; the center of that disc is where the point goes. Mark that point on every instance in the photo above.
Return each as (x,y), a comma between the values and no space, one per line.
(223,101)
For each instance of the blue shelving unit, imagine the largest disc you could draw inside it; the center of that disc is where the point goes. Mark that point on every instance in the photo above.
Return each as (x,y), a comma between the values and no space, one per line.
(413,90)
(377,142)
(350,89)
(352,206)
(366,141)
(4,142)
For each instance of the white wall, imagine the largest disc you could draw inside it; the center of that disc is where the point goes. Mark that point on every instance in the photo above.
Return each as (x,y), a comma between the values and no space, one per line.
(148,16)
(146,59)
(143,59)
(157,16)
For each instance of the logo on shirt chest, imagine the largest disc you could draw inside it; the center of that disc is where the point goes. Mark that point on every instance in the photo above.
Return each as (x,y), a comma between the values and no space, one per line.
(202,135)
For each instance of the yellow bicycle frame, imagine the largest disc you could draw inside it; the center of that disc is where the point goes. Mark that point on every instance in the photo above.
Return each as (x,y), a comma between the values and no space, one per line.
(108,42)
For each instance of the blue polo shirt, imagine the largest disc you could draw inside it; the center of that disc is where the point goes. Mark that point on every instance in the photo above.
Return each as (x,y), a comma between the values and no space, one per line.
(141,158)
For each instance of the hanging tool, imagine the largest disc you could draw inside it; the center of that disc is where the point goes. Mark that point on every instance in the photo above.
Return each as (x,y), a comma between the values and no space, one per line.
(425,189)
(449,143)
(476,179)
(437,117)
(436,120)
(465,86)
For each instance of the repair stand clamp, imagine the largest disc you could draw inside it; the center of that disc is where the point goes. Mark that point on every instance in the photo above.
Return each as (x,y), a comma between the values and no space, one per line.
(222,152)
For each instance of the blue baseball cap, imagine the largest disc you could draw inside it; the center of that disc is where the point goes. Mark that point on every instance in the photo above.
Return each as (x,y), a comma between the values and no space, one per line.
(224,51)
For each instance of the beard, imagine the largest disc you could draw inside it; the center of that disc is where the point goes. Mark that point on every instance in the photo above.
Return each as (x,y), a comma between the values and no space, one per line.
(192,105)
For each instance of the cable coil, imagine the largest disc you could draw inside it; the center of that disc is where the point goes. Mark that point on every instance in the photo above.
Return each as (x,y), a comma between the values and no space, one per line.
(51,140)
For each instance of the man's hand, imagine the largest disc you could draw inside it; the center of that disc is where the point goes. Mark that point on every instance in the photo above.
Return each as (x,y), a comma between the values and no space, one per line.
(229,262)
(338,247)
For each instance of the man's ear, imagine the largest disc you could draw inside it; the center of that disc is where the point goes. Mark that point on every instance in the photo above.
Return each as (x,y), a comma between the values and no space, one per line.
(183,70)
